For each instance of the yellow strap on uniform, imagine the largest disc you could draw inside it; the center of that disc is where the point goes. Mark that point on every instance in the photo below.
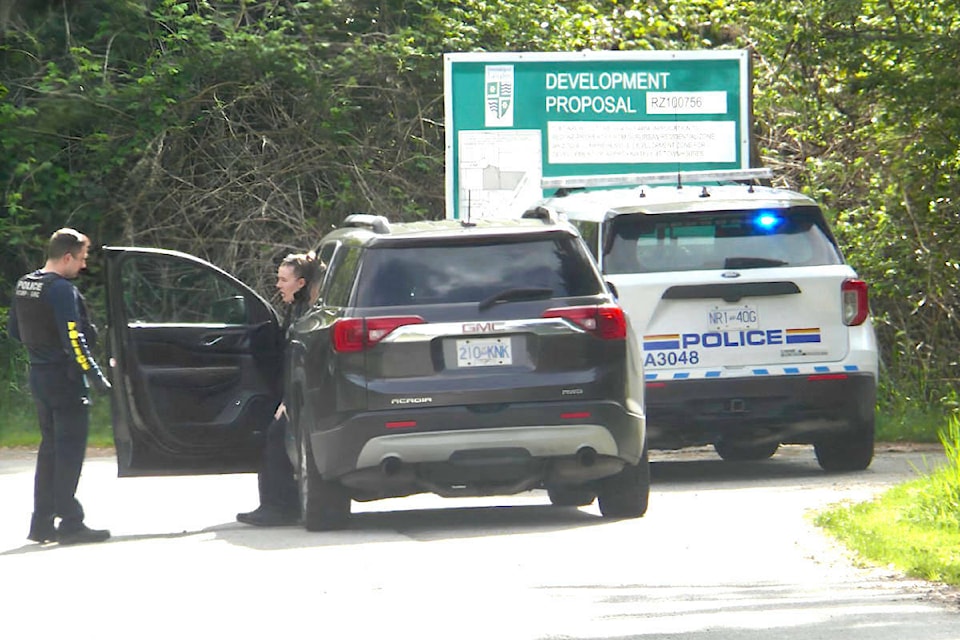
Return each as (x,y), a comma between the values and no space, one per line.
(77,349)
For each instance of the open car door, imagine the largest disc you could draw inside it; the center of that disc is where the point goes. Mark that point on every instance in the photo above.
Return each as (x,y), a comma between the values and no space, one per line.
(195,362)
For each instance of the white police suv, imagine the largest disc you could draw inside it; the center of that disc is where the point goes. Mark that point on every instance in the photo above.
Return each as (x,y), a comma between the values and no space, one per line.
(754,331)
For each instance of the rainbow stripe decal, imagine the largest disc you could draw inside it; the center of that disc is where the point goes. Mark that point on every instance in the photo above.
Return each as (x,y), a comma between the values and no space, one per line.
(661,341)
(799,336)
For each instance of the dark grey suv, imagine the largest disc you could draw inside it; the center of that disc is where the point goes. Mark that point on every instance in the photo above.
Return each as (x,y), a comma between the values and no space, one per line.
(441,357)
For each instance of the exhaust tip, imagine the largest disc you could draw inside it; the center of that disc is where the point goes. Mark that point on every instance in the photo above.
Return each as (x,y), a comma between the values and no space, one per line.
(390,466)
(586,456)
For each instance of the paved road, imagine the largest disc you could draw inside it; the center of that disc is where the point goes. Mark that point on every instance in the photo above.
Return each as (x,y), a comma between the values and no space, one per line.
(726,552)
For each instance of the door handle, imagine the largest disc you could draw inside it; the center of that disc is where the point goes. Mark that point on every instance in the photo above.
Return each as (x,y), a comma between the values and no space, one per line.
(209,342)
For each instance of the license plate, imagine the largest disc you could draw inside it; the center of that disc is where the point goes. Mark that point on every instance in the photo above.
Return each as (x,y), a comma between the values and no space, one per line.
(484,352)
(733,318)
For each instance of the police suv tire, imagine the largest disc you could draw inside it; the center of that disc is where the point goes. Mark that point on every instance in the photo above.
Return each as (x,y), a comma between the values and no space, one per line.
(570,496)
(626,494)
(850,452)
(744,451)
(324,504)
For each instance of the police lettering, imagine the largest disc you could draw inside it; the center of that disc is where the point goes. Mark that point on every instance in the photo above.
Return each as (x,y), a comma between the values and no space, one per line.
(29,288)
(747,338)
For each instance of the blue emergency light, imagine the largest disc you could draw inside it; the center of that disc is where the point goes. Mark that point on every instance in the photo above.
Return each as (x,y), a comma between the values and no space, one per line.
(767,221)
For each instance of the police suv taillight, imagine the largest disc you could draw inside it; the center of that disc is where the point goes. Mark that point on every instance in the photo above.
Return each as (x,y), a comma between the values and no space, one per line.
(605,321)
(854,301)
(357,334)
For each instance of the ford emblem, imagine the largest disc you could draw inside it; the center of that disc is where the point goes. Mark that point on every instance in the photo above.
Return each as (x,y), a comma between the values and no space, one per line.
(730,274)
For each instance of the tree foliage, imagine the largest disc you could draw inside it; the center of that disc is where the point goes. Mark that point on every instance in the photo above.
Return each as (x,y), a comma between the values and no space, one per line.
(237,130)
(862,112)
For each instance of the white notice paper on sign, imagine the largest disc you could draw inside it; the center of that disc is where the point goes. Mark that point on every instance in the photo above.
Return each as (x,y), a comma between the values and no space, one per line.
(641,142)
(500,172)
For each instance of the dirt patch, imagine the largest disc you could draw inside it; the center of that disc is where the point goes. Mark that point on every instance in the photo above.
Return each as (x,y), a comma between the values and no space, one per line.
(707,451)
(909,447)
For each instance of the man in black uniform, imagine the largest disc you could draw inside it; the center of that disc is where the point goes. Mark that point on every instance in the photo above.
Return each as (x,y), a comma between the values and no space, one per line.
(49,317)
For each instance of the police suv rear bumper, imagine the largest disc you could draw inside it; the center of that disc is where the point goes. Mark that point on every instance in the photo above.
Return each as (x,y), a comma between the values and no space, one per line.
(795,409)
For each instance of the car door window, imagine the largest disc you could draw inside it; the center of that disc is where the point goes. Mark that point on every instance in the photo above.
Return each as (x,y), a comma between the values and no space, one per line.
(158,290)
(340,281)
(326,255)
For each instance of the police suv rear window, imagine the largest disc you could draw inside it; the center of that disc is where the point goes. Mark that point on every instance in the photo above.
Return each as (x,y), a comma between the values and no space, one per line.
(458,272)
(745,239)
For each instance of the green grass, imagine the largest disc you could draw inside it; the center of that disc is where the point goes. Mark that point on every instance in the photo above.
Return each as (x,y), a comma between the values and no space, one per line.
(914,526)
(18,426)
(909,422)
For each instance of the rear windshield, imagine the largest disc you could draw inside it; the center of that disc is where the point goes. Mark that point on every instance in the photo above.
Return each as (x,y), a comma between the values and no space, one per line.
(445,273)
(750,239)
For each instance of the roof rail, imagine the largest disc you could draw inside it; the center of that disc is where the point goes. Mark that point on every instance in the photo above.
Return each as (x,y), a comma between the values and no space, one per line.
(544,214)
(679,177)
(377,224)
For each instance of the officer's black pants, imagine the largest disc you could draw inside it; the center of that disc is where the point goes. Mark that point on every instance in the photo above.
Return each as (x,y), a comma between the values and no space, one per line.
(63,409)
(275,479)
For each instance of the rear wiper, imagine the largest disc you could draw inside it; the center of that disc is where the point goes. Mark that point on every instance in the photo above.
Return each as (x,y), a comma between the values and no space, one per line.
(511,295)
(751,263)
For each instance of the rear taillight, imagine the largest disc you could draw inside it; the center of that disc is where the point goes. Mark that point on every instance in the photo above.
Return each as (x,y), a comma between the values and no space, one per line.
(607,321)
(357,334)
(819,377)
(856,307)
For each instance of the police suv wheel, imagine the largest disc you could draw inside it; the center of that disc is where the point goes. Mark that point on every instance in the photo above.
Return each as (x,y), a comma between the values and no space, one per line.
(850,452)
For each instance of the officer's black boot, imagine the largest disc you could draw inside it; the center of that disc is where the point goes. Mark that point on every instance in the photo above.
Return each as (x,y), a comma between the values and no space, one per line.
(80,534)
(42,529)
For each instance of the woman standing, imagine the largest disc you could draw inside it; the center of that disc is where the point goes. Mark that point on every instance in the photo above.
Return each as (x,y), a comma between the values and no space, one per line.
(298,277)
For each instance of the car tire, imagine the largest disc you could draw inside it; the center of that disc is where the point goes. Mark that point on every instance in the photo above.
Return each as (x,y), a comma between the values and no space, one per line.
(744,451)
(324,504)
(850,452)
(570,496)
(626,494)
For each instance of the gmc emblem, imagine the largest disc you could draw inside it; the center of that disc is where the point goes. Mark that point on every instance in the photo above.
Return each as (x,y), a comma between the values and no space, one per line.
(481,327)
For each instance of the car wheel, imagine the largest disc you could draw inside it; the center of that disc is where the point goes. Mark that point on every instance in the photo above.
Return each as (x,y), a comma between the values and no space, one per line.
(570,496)
(324,504)
(850,452)
(743,451)
(626,494)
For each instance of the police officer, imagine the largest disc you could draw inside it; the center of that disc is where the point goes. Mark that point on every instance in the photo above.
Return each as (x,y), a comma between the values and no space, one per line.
(50,318)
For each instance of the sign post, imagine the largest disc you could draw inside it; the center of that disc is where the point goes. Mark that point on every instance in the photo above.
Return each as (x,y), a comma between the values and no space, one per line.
(514,121)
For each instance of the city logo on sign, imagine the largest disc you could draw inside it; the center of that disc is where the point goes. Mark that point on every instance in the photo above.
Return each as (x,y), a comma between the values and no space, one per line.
(498,95)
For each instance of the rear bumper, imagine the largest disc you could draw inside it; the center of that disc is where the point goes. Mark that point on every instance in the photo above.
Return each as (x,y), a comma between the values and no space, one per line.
(481,449)
(797,409)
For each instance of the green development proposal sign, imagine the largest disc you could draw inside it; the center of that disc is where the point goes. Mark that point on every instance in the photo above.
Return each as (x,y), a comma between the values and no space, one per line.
(515,121)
